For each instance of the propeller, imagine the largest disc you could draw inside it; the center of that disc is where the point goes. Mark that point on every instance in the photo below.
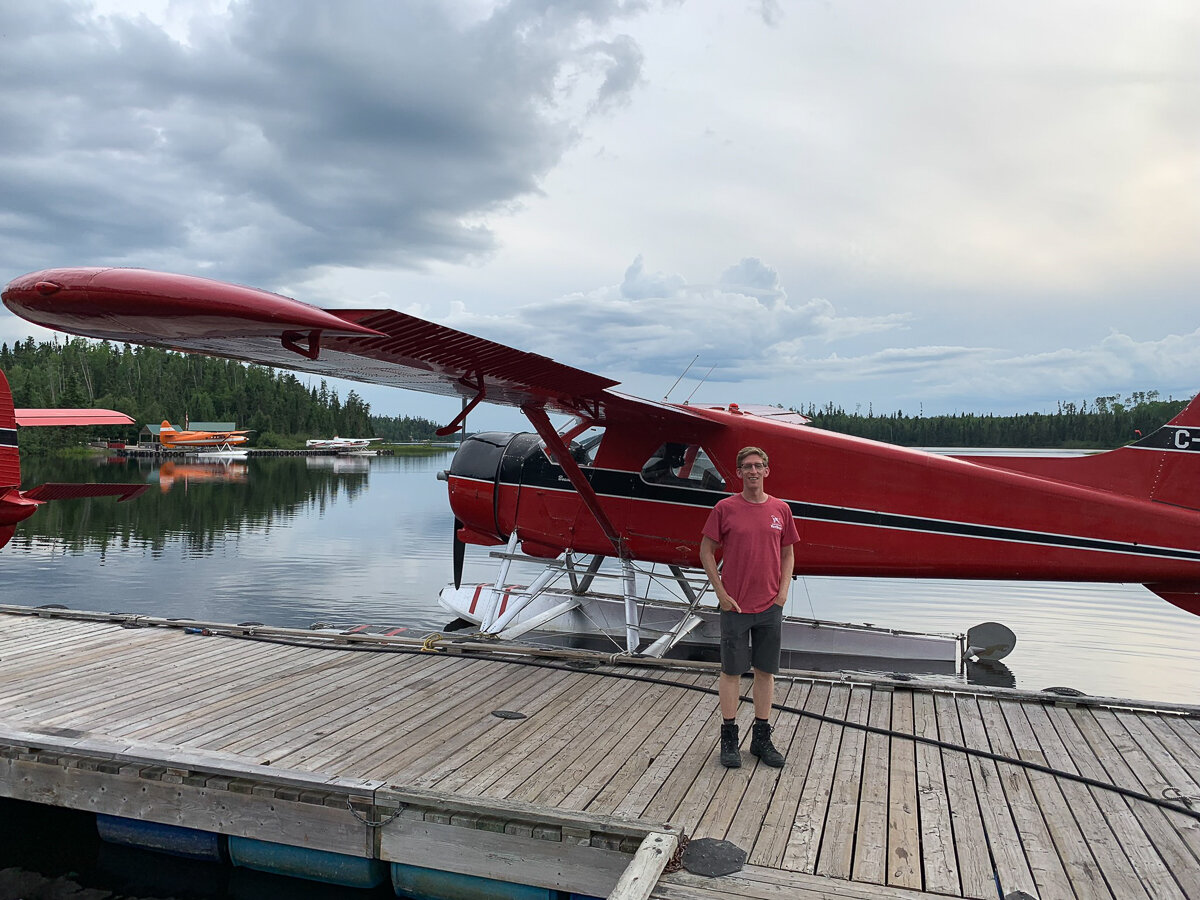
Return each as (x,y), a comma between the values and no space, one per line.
(459,551)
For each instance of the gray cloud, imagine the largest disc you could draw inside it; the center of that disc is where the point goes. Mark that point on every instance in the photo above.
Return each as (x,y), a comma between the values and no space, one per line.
(974,206)
(656,322)
(282,138)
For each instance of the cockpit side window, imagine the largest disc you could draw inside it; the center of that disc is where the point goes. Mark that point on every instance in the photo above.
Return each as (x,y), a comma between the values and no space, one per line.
(583,440)
(682,465)
(585,450)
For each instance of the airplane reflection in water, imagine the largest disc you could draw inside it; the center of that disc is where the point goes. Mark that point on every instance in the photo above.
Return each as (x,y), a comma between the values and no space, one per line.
(340,463)
(172,473)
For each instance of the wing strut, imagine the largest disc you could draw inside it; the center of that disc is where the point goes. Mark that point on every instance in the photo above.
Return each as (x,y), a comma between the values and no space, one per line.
(462,416)
(561,455)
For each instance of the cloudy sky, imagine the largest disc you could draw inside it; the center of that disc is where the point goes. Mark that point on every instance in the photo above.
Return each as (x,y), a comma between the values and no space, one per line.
(928,206)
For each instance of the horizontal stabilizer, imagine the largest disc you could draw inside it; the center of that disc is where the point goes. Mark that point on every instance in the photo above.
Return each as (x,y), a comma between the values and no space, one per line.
(62,491)
(38,417)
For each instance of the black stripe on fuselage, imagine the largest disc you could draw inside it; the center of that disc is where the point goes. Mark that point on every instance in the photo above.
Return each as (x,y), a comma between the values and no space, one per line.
(8,437)
(1171,439)
(628,485)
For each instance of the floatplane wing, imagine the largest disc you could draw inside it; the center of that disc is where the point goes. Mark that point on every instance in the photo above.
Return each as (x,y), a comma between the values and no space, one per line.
(17,505)
(642,493)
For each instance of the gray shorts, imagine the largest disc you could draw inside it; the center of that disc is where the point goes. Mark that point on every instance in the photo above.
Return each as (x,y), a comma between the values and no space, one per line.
(751,639)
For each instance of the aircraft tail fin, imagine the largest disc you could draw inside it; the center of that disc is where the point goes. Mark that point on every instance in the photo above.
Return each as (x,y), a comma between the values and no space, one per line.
(1163,466)
(10,458)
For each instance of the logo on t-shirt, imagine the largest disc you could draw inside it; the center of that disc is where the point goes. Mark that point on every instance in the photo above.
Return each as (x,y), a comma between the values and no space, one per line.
(776,523)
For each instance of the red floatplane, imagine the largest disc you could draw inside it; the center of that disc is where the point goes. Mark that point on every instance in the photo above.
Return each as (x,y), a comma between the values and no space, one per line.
(17,505)
(633,479)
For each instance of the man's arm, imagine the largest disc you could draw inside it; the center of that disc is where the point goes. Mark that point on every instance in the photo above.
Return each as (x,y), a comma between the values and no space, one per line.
(787,558)
(708,558)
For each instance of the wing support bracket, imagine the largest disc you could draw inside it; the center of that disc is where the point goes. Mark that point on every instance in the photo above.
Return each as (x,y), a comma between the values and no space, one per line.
(291,341)
(589,409)
(561,455)
(481,394)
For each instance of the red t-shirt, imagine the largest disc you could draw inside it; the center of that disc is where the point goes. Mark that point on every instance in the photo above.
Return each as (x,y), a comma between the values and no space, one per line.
(752,537)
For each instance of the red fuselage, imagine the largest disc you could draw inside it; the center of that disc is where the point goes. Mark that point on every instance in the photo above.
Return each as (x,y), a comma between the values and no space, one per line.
(862,508)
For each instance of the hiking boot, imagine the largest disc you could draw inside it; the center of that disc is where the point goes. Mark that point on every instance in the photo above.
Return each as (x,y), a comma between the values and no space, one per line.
(731,757)
(761,746)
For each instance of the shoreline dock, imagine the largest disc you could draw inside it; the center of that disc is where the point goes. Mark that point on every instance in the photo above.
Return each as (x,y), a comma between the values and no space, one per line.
(572,773)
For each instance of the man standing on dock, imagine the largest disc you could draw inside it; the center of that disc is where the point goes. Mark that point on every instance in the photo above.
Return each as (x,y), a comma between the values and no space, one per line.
(755,533)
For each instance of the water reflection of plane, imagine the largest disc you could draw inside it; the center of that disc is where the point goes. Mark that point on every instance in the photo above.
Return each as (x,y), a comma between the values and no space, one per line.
(170,473)
(340,465)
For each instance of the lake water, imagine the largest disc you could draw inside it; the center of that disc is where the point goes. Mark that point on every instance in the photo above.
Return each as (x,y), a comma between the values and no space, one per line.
(293,541)
(296,540)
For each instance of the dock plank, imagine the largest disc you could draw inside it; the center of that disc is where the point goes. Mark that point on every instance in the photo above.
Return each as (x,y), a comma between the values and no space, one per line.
(689,791)
(977,870)
(780,816)
(804,843)
(1117,766)
(904,841)
(1130,865)
(749,815)
(530,743)
(1077,837)
(835,855)
(1002,833)
(545,757)
(428,752)
(604,751)
(1048,867)
(870,840)
(938,860)
(271,728)
(637,781)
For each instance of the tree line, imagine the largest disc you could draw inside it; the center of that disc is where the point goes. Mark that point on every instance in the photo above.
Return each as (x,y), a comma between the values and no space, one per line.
(1103,423)
(150,385)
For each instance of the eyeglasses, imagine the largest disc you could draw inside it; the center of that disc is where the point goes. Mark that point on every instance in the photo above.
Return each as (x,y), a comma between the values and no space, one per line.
(755,466)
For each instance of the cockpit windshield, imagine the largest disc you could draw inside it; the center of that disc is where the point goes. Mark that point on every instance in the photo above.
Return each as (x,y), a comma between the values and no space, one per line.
(682,465)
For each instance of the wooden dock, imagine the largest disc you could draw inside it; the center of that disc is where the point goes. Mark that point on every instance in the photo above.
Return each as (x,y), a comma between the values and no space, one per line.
(367,746)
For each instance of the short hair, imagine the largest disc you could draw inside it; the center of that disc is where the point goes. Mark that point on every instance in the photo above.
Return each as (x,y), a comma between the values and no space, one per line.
(750,451)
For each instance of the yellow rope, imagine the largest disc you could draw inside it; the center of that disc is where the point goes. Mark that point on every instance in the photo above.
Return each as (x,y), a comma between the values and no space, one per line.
(430,644)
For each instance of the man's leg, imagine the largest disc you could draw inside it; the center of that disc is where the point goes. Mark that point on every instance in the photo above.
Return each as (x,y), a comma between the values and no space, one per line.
(764,694)
(766,644)
(735,659)
(728,688)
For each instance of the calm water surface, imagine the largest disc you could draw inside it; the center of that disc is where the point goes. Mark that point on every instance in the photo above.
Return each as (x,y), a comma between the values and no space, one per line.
(293,541)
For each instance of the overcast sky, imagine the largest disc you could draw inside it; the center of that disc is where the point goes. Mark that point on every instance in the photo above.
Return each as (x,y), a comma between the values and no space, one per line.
(927,206)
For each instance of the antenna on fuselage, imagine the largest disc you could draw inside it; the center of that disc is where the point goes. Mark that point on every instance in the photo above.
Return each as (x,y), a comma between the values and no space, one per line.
(700,382)
(680,378)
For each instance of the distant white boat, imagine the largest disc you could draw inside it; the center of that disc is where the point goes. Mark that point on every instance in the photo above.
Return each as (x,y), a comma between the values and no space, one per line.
(340,443)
